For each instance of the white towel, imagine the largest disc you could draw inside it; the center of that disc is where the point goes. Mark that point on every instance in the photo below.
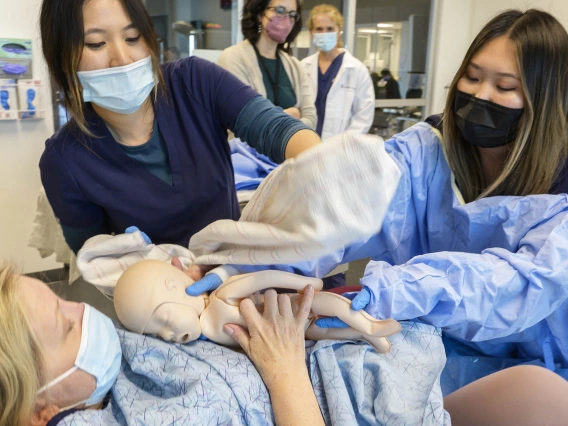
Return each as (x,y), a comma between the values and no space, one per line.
(103,258)
(328,197)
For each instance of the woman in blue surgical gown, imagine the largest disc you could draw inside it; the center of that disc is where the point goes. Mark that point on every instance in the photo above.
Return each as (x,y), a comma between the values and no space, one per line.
(476,237)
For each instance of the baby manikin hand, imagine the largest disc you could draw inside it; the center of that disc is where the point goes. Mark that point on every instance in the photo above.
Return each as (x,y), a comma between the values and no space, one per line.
(359,300)
(275,340)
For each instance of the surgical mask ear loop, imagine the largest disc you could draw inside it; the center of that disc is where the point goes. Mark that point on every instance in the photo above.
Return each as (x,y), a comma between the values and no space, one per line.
(57,380)
(61,410)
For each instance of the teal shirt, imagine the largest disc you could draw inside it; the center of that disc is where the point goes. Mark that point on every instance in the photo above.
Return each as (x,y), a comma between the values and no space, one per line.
(286,95)
(153,155)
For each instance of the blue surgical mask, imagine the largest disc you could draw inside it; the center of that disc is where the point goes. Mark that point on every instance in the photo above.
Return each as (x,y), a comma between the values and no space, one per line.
(325,41)
(119,89)
(99,355)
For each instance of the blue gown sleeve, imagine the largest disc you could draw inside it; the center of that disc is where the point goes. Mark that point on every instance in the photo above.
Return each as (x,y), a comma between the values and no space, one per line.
(483,296)
(497,273)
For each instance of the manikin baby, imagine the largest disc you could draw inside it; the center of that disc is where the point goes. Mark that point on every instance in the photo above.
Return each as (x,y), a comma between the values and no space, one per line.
(150,298)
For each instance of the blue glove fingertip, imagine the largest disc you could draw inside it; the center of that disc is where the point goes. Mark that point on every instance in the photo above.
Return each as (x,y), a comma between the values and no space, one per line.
(331,322)
(194,290)
(361,300)
(132,229)
(209,282)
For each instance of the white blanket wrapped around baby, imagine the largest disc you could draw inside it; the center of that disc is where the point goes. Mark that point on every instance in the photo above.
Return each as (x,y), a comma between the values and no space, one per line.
(327,197)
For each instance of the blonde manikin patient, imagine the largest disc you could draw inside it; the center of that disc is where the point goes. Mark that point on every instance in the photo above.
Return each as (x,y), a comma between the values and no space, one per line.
(150,298)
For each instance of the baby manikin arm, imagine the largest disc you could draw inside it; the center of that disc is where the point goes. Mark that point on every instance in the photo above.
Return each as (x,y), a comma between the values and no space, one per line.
(324,304)
(239,287)
(224,302)
(224,309)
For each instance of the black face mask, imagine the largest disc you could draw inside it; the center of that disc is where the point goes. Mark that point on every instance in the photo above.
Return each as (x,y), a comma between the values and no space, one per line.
(484,123)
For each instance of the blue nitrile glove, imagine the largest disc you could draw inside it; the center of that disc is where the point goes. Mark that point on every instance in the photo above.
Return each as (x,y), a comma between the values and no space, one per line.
(132,229)
(209,282)
(359,300)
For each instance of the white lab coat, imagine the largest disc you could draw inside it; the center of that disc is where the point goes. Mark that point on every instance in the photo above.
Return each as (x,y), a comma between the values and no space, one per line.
(350,102)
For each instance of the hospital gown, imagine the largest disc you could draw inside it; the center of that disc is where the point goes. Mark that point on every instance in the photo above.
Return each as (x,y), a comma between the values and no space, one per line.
(493,272)
(250,166)
(202,383)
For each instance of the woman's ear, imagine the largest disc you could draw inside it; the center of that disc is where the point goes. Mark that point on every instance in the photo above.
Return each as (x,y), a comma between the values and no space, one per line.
(43,413)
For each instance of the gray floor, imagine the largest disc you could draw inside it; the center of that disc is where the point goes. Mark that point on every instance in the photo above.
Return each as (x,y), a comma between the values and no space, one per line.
(80,291)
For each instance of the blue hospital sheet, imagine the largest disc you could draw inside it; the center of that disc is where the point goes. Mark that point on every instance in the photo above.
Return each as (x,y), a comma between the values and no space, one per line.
(202,383)
(250,166)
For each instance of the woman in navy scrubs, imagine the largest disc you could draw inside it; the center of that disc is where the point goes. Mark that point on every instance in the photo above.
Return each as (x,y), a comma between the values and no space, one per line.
(146,144)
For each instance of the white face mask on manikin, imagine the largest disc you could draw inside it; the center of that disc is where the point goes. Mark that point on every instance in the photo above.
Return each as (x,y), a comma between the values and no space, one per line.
(325,41)
(119,89)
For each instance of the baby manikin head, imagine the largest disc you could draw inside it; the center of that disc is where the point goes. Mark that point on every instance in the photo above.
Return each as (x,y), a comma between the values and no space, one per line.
(150,298)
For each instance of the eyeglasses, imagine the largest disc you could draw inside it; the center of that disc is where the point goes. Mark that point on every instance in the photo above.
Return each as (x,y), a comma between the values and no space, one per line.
(281,11)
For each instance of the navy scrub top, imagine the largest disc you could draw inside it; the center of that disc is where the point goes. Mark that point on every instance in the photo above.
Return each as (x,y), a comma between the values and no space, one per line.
(89,180)
(325,81)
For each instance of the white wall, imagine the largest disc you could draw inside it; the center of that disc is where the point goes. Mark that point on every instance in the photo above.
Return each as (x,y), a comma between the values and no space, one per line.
(458,23)
(21,145)
(452,28)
